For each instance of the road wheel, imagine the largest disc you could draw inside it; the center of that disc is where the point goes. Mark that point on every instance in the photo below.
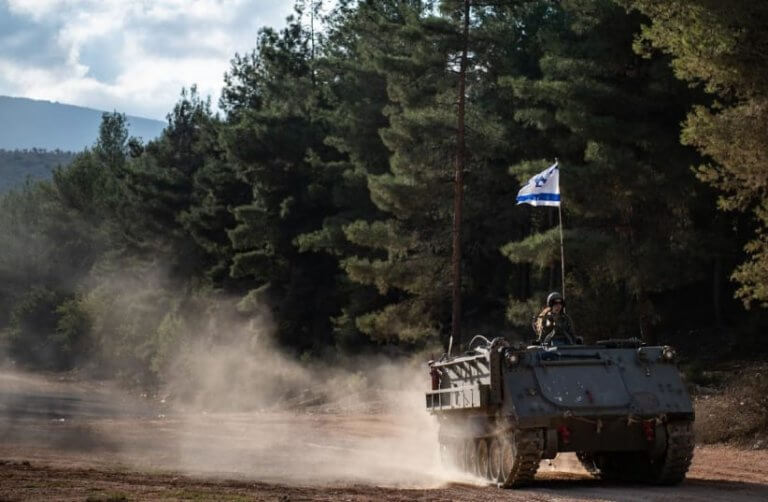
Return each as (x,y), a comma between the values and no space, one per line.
(520,456)
(508,456)
(445,455)
(481,458)
(494,460)
(470,456)
(460,460)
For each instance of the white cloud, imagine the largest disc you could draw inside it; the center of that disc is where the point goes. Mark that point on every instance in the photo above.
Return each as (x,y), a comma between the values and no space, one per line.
(130,55)
(35,8)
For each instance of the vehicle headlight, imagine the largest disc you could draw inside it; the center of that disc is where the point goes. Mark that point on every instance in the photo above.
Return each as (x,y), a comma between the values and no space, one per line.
(668,353)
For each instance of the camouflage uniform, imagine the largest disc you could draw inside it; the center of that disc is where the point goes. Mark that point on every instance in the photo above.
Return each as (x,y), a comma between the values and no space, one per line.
(554,329)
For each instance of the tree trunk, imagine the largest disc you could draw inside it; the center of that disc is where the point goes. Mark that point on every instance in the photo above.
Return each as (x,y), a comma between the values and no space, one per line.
(458,186)
(716,303)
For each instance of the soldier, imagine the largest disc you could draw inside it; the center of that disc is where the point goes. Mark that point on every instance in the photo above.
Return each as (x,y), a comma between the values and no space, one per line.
(552,325)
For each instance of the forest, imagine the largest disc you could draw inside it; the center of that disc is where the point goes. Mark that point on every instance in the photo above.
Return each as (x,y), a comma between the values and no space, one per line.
(319,193)
(19,166)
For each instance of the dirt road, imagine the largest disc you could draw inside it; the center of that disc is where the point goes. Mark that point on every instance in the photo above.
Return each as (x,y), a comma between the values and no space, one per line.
(87,441)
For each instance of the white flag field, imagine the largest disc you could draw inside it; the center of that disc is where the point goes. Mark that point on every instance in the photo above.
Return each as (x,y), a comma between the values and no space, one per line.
(542,189)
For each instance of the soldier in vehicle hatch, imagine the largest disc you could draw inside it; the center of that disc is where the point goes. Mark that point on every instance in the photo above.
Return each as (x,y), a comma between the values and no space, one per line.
(552,325)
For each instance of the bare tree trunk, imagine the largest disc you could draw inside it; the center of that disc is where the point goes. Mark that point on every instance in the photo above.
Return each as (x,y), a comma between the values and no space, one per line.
(458,184)
(716,287)
(314,5)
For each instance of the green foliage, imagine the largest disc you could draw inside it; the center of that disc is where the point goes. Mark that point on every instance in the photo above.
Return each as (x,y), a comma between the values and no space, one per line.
(18,166)
(179,189)
(32,326)
(274,141)
(522,313)
(612,119)
(73,330)
(27,253)
(722,46)
(324,193)
(540,249)
(126,310)
(111,147)
(402,247)
(46,331)
(413,192)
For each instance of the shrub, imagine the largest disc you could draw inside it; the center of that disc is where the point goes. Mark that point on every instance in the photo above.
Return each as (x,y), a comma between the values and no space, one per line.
(738,413)
(46,330)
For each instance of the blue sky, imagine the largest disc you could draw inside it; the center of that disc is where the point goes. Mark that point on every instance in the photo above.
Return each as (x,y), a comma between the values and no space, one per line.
(130,55)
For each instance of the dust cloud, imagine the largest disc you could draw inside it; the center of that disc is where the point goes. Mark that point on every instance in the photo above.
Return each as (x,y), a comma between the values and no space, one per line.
(234,405)
(251,410)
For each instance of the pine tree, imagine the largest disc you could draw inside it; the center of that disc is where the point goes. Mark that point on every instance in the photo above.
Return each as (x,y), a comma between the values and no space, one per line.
(176,211)
(410,267)
(270,137)
(629,199)
(417,48)
(353,100)
(722,45)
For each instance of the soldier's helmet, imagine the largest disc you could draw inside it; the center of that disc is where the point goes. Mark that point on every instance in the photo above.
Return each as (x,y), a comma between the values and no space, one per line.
(554,297)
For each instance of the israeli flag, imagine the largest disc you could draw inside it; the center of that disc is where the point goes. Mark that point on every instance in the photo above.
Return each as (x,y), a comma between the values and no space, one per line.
(543,189)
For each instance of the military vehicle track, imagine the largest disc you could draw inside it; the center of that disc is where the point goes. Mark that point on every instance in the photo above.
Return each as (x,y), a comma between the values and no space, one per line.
(521,457)
(107,449)
(620,405)
(679,454)
(669,469)
(509,459)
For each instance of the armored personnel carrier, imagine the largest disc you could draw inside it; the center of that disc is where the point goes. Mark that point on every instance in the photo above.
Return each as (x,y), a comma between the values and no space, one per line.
(620,405)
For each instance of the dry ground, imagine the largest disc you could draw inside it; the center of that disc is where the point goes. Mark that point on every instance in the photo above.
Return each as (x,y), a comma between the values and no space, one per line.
(87,441)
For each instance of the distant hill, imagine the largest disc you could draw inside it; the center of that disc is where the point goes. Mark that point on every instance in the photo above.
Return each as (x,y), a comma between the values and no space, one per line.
(28,123)
(18,166)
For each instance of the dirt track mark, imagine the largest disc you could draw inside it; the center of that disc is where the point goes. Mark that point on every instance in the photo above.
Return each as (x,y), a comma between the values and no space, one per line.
(108,445)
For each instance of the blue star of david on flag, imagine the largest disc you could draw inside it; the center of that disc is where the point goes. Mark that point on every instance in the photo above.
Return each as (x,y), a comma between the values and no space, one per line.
(542,189)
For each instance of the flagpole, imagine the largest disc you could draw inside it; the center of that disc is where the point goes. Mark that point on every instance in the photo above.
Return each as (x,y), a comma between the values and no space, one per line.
(535,193)
(562,249)
(560,224)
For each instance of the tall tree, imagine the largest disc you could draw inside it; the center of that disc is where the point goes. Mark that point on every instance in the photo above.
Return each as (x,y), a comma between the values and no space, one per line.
(354,97)
(458,173)
(611,117)
(177,212)
(411,266)
(722,46)
(418,47)
(271,136)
